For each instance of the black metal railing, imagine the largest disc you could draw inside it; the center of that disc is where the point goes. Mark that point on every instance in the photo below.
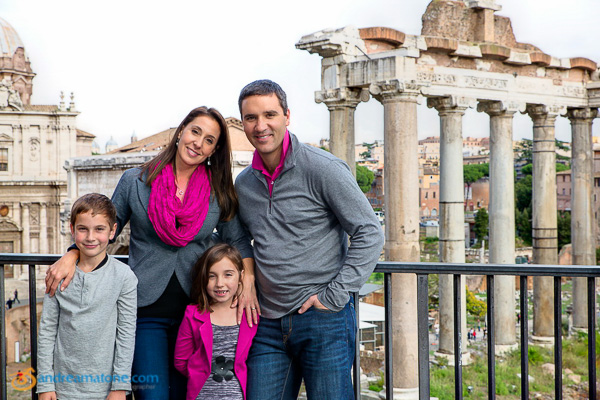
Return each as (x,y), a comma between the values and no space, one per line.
(422,271)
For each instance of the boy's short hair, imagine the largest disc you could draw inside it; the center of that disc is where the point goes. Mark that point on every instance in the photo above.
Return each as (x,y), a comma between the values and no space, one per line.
(96,203)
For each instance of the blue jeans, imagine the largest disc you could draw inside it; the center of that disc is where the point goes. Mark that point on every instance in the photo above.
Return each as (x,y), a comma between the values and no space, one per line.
(153,361)
(317,346)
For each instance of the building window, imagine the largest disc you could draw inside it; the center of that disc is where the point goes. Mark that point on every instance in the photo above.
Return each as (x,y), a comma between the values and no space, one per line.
(434,195)
(564,191)
(3,160)
(426,194)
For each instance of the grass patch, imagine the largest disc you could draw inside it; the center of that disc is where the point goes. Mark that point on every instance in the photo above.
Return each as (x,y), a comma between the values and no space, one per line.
(508,382)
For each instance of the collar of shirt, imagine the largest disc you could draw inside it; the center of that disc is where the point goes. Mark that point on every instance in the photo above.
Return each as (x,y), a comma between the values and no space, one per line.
(257,163)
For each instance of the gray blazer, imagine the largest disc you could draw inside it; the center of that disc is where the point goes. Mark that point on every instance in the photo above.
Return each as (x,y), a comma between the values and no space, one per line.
(153,261)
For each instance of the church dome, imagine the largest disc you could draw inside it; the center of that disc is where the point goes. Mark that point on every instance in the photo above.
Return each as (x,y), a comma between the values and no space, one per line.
(9,39)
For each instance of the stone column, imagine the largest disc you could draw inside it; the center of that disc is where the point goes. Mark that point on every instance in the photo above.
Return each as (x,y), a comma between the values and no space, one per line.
(43,229)
(341,104)
(545,235)
(502,217)
(582,215)
(26,243)
(402,224)
(452,215)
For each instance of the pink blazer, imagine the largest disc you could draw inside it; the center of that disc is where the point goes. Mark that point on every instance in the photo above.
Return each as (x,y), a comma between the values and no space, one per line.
(193,350)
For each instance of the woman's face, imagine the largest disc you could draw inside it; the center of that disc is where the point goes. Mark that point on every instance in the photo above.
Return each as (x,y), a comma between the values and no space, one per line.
(197,142)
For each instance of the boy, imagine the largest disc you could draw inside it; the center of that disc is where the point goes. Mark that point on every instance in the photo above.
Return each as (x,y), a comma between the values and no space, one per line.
(87,332)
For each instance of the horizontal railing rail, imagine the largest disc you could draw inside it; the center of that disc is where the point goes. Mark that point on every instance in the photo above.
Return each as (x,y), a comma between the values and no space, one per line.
(422,272)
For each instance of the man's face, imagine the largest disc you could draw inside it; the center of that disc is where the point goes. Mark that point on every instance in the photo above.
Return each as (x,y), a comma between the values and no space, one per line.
(265,123)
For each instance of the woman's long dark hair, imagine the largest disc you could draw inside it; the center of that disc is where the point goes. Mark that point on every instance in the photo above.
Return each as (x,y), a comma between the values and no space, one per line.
(202,268)
(221,180)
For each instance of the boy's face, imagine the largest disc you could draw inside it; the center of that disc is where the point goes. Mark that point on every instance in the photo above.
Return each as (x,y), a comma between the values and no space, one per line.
(91,234)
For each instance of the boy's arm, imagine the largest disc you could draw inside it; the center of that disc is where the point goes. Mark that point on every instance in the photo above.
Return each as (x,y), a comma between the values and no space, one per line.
(48,396)
(125,340)
(116,395)
(46,343)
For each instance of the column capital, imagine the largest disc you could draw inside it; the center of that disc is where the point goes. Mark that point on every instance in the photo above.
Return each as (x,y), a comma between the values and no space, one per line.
(500,108)
(25,206)
(582,114)
(342,97)
(544,110)
(451,103)
(396,90)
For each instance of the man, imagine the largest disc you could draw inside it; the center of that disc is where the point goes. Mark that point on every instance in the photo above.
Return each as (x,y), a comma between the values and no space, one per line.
(300,204)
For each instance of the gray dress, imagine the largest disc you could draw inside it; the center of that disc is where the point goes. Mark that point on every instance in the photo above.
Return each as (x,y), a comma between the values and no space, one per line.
(222,382)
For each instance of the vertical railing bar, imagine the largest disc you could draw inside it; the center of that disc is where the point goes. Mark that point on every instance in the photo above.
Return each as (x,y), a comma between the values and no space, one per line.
(557,339)
(423,336)
(491,339)
(458,389)
(3,377)
(356,369)
(33,325)
(389,370)
(591,281)
(524,339)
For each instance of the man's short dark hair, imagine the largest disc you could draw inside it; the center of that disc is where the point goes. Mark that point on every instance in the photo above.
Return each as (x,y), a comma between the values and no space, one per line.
(96,203)
(264,87)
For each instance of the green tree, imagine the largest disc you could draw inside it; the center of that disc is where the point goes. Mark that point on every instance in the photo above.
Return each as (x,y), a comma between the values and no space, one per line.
(562,167)
(523,192)
(523,225)
(364,177)
(475,307)
(564,228)
(481,224)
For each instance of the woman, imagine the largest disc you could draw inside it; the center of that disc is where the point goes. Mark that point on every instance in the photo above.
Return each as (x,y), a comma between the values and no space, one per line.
(173,204)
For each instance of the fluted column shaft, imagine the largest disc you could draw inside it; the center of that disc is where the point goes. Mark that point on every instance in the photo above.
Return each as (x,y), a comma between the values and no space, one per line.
(452,216)
(582,215)
(342,104)
(544,225)
(502,217)
(43,229)
(402,223)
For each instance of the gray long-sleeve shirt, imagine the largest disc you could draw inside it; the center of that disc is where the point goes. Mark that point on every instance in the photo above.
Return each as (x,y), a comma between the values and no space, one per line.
(301,231)
(87,334)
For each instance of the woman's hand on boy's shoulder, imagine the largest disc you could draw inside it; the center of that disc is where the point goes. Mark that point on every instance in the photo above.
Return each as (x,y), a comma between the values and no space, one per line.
(64,268)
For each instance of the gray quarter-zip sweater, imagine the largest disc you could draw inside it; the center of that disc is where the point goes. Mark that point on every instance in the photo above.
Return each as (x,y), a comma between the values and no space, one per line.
(301,231)
(87,334)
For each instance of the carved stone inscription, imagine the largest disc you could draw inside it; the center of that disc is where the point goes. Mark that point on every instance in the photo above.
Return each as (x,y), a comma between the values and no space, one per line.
(465,81)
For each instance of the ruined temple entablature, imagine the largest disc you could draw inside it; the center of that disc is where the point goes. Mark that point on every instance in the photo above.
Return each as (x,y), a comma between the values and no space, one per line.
(464,49)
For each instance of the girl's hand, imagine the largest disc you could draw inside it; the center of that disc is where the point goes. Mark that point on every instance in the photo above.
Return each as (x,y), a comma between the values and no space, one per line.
(64,268)
(247,300)
(47,396)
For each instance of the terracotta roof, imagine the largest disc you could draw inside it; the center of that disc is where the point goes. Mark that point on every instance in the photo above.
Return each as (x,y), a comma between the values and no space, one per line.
(158,141)
(151,143)
(81,133)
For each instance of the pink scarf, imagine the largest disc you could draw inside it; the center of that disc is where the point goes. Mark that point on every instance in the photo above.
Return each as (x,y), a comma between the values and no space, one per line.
(177,223)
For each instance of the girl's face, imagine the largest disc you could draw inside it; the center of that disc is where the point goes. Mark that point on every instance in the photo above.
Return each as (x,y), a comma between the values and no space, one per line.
(223,281)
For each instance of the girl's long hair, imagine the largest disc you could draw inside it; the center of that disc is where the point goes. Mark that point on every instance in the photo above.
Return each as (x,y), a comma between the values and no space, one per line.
(221,180)
(201,270)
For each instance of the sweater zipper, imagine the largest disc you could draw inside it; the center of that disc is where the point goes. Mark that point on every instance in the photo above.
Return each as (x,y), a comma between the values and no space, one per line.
(271,196)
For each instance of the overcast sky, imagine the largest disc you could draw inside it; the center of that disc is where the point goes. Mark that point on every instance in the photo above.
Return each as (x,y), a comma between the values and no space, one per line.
(142,65)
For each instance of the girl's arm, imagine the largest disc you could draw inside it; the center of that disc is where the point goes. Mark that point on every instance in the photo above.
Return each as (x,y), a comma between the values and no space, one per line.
(184,347)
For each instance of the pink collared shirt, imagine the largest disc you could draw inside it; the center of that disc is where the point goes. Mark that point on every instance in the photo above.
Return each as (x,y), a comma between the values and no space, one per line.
(257,163)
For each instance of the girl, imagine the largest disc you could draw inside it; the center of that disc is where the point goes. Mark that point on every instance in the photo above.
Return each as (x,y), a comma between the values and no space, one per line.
(211,348)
